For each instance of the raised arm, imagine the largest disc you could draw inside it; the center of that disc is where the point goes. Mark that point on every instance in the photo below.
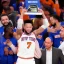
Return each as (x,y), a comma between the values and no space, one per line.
(20,22)
(44,26)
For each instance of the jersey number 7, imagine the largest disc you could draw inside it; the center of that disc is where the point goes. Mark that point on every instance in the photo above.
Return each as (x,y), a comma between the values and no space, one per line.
(29,44)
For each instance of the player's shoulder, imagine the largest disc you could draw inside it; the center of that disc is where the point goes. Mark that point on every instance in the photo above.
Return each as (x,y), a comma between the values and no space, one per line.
(33,34)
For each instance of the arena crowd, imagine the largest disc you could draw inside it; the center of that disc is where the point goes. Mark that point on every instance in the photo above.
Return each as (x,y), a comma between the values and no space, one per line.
(31,39)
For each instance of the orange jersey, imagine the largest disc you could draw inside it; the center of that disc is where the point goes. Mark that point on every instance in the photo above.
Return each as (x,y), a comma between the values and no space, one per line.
(3,12)
(54,6)
(49,2)
(57,8)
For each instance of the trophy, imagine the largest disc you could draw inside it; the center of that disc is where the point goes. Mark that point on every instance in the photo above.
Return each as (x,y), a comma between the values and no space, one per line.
(32,7)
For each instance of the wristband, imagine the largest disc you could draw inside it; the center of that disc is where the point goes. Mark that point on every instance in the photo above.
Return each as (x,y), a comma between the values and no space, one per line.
(19,23)
(13,48)
(44,27)
(45,22)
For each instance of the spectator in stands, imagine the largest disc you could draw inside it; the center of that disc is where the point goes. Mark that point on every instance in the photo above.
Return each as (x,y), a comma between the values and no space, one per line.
(55,6)
(51,55)
(12,15)
(5,21)
(9,56)
(17,5)
(47,2)
(5,3)
(1,49)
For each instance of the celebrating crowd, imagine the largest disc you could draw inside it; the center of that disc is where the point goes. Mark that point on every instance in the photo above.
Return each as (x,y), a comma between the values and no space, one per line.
(31,39)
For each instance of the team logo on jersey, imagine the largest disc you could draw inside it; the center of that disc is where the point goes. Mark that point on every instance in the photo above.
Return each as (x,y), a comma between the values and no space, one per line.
(28,38)
(57,36)
(39,36)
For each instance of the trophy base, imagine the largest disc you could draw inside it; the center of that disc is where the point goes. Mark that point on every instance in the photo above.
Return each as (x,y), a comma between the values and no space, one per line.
(32,13)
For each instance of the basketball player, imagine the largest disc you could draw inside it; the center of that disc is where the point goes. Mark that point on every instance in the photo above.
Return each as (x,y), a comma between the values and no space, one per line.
(28,47)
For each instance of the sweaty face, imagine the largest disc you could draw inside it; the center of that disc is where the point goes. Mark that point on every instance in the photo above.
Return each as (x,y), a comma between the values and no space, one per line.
(48,43)
(28,28)
(4,20)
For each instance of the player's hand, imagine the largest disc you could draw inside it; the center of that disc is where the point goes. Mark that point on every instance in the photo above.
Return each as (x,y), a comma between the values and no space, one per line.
(6,50)
(11,52)
(41,11)
(8,42)
(43,15)
(22,10)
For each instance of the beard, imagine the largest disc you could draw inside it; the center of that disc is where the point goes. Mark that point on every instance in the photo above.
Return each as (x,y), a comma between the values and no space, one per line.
(27,32)
(5,24)
(9,24)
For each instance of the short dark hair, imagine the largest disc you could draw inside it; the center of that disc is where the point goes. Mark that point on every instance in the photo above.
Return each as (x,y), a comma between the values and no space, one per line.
(3,15)
(8,31)
(28,21)
(56,17)
(49,9)
(8,26)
